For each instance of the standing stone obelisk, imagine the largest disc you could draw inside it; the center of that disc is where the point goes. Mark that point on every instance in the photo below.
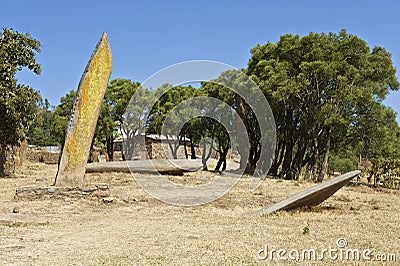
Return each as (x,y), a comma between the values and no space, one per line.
(85,112)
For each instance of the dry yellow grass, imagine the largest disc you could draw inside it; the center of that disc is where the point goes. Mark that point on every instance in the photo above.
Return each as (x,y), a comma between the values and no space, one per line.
(137,229)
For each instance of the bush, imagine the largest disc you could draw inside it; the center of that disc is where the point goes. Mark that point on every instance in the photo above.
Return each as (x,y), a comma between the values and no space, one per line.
(342,162)
(385,173)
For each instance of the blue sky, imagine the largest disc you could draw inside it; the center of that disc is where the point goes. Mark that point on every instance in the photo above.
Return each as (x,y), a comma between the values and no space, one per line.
(147,36)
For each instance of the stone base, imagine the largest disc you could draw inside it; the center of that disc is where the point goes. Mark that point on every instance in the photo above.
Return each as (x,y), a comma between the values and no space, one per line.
(98,190)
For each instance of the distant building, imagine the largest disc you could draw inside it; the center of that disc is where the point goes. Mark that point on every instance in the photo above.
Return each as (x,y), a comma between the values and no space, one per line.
(156,147)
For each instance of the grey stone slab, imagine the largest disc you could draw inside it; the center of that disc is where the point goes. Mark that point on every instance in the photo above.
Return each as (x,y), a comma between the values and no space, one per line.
(311,196)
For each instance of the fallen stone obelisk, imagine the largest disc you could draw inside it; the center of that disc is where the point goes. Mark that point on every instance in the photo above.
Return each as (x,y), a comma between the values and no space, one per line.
(312,196)
(85,112)
(154,166)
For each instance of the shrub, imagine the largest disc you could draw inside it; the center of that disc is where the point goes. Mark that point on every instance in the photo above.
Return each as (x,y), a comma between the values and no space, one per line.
(385,173)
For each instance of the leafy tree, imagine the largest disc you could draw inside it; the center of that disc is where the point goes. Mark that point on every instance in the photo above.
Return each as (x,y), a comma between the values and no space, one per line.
(118,94)
(17,101)
(135,119)
(40,130)
(376,133)
(215,129)
(215,89)
(61,115)
(204,129)
(223,144)
(170,98)
(316,86)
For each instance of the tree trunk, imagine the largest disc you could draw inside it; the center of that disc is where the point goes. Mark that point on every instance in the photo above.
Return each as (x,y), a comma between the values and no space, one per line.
(175,152)
(110,148)
(204,157)
(278,160)
(287,161)
(3,158)
(221,161)
(314,159)
(185,149)
(210,150)
(250,167)
(299,157)
(174,148)
(129,147)
(324,167)
(192,150)
(240,130)
(254,156)
(224,163)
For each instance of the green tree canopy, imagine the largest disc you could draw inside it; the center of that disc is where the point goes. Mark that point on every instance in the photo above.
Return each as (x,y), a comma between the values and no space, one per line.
(117,97)
(162,108)
(61,115)
(319,87)
(17,101)
(40,131)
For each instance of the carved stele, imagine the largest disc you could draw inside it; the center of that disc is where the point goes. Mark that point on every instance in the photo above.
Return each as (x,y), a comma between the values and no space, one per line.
(85,112)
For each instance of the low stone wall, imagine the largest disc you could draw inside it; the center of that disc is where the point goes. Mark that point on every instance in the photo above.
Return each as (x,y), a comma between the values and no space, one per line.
(98,190)
(42,156)
(162,151)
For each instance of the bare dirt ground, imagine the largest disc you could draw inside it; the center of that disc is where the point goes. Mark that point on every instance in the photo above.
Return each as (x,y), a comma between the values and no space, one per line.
(136,229)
